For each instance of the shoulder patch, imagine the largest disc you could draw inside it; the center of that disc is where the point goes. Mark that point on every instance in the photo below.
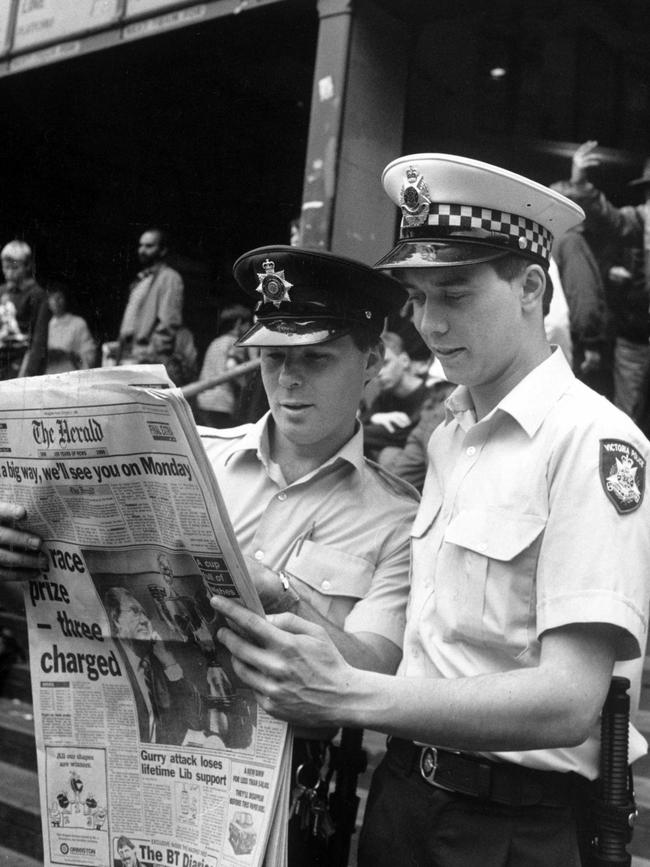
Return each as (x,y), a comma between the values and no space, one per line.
(395,484)
(622,474)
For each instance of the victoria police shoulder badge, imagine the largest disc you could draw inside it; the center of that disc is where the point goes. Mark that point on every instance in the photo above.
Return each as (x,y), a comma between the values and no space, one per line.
(622,474)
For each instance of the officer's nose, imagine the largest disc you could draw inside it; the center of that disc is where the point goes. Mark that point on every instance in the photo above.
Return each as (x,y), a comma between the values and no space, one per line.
(290,376)
(433,319)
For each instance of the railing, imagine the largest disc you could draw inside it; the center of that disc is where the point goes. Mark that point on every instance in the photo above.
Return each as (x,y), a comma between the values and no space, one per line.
(193,388)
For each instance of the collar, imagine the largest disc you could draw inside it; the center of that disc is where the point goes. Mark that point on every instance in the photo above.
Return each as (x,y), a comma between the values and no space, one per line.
(132,656)
(529,402)
(257,440)
(27,283)
(151,270)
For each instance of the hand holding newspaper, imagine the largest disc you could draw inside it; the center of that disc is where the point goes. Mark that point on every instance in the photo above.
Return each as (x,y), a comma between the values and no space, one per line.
(148,744)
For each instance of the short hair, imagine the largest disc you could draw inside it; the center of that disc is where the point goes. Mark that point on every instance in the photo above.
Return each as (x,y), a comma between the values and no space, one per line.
(233,312)
(17,250)
(393,341)
(163,237)
(113,599)
(511,265)
(365,335)
(53,286)
(124,841)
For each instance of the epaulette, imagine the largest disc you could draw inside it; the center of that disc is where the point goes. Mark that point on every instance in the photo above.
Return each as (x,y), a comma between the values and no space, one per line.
(223,433)
(395,484)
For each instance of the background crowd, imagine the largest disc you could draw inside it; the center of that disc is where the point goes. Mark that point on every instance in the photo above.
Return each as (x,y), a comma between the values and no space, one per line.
(599,316)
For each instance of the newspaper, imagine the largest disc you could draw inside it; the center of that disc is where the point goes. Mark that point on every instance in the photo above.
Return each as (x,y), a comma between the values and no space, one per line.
(150,750)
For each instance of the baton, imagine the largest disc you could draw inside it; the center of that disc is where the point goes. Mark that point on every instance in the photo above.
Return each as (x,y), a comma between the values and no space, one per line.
(351,760)
(614,808)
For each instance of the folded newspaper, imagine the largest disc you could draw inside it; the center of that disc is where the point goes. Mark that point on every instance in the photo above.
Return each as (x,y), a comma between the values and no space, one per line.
(150,749)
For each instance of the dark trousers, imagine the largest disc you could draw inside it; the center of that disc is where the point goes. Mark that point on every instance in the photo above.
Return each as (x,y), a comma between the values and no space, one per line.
(412,824)
(305,848)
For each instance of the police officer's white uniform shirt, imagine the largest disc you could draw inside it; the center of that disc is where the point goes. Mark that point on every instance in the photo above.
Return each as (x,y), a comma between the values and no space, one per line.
(341,531)
(517,533)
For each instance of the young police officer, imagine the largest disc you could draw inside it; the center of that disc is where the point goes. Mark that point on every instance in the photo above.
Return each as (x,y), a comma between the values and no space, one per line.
(530,554)
(325,532)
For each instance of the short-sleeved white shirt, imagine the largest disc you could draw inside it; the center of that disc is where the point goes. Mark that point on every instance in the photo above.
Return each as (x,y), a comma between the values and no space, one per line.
(341,531)
(517,534)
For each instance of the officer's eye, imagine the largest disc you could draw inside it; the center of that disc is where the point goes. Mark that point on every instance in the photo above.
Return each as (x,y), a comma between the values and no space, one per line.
(416,298)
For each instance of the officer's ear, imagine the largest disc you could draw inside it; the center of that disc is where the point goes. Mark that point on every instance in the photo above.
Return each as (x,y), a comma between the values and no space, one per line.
(375,360)
(533,287)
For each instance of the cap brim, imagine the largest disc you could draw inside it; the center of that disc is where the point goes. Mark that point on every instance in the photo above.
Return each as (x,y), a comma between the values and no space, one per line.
(419,253)
(292,332)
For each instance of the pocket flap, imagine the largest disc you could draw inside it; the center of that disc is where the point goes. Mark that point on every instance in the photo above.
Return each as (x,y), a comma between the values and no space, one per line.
(495,533)
(329,571)
(427,511)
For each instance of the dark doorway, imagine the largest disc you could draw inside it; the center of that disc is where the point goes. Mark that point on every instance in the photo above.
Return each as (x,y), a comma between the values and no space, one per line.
(202,131)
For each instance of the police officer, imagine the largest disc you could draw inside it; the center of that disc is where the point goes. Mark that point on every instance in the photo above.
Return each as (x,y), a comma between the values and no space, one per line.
(325,532)
(529,575)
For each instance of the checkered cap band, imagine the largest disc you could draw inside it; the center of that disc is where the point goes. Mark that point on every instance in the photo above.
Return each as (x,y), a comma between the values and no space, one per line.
(522,235)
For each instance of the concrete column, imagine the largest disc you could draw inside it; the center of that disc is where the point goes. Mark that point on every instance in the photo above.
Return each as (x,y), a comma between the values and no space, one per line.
(355,129)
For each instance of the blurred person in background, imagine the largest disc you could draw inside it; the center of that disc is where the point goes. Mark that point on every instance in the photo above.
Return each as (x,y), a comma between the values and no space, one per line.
(70,345)
(410,462)
(579,253)
(24,315)
(394,411)
(217,405)
(154,311)
(556,320)
(627,225)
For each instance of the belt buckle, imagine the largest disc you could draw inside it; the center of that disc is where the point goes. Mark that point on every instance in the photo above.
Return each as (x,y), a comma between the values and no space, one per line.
(429,766)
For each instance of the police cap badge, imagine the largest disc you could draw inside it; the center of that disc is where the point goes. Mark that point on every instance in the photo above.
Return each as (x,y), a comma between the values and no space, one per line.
(310,296)
(459,211)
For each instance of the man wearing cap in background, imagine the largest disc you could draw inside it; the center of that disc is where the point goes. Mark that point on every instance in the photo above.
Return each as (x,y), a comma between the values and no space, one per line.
(520,604)
(629,225)
(324,531)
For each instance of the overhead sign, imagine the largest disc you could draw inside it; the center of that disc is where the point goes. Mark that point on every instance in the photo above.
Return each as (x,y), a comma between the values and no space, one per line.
(39,21)
(5,14)
(144,7)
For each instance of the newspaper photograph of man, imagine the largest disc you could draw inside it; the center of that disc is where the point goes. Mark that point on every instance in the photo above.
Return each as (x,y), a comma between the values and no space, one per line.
(127,854)
(184,688)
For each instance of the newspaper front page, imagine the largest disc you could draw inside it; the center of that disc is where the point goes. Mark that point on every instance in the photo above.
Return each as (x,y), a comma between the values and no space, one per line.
(150,751)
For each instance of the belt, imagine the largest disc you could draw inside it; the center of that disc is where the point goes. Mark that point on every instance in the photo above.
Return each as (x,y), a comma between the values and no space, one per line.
(486,779)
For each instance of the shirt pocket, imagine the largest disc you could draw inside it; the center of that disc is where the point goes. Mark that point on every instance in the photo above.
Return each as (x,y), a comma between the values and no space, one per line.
(491,598)
(427,511)
(331,580)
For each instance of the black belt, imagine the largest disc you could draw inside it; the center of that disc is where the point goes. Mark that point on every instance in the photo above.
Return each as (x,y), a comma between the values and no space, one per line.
(479,777)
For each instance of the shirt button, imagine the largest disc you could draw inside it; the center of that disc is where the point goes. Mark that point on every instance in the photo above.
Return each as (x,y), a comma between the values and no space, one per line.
(282,497)
(471,450)
(259,555)
(326,585)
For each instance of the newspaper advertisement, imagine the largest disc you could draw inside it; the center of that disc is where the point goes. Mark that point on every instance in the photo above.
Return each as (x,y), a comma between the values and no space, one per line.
(150,751)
